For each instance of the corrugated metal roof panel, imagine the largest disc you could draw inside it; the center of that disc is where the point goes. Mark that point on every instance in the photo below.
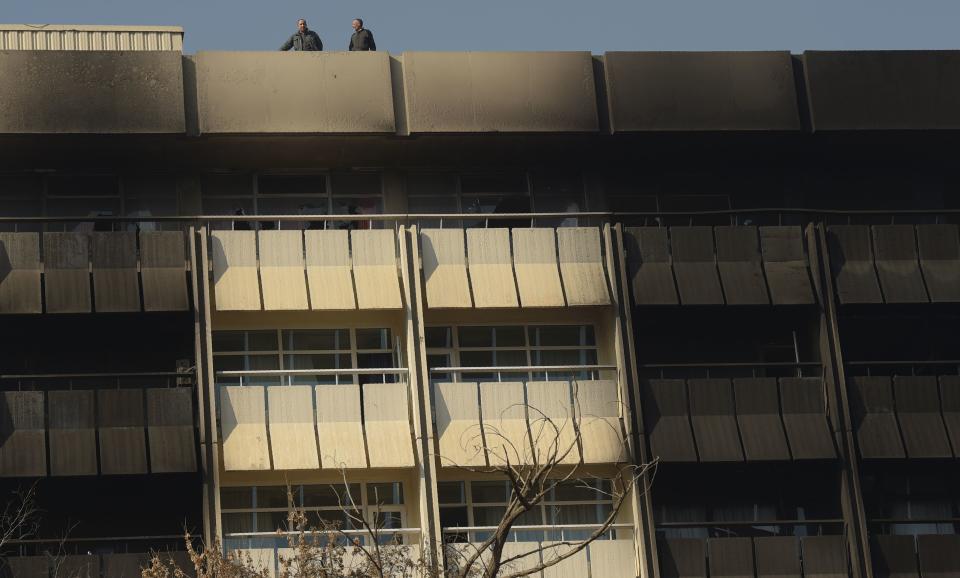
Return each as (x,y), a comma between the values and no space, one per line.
(74,37)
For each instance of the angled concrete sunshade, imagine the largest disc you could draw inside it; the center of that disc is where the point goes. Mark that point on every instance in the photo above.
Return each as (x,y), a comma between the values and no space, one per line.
(805,418)
(874,420)
(329,270)
(758,417)
(445,268)
(712,413)
(23,444)
(339,426)
(163,268)
(551,417)
(532,92)
(386,422)
(236,285)
(650,266)
(458,424)
(950,404)
(601,434)
(917,400)
(491,268)
(939,555)
(292,435)
(785,265)
(375,269)
(824,556)
(535,263)
(939,252)
(116,285)
(851,259)
(666,415)
(581,266)
(170,430)
(574,565)
(121,430)
(695,265)
(898,265)
(738,259)
(243,425)
(682,557)
(777,556)
(282,270)
(730,557)
(20,273)
(504,417)
(66,271)
(334,92)
(71,424)
(612,558)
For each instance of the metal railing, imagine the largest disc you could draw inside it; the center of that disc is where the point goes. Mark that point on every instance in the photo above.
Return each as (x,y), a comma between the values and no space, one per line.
(549,531)
(753,366)
(291,373)
(499,370)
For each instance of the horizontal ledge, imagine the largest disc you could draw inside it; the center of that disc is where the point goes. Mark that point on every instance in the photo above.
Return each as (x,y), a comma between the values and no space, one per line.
(348,532)
(746,523)
(519,368)
(731,364)
(459,529)
(361,371)
(188,373)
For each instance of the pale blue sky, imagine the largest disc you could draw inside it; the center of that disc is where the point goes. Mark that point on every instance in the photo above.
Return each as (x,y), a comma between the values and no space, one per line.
(595,25)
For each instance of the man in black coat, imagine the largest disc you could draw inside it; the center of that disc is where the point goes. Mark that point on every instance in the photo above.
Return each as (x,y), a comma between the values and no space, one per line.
(362,38)
(303,39)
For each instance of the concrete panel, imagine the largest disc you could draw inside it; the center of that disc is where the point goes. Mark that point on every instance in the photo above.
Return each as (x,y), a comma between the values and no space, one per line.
(650,266)
(614,558)
(28,566)
(805,418)
(874,420)
(20,273)
(512,549)
(758,415)
(291,417)
(731,557)
(940,261)
(785,265)
(893,556)
(66,272)
(116,285)
(235,283)
(162,271)
(254,92)
(777,556)
(457,554)
(491,269)
(551,419)
(243,428)
(898,267)
(121,431)
(535,263)
(682,557)
(824,557)
(581,266)
(124,565)
(713,415)
(701,91)
(375,269)
(918,411)
(282,274)
(77,566)
(386,422)
(339,427)
(738,259)
(170,429)
(73,441)
(883,90)
(939,555)
(851,259)
(458,424)
(575,565)
(329,270)
(499,92)
(504,417)
(666,415)
(23,445)
(599,409)
(695,265)
(445,268)
(91,92)
(950,403)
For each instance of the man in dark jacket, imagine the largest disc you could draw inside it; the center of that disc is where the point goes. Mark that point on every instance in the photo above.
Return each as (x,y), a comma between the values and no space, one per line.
(303,39)
(362,38)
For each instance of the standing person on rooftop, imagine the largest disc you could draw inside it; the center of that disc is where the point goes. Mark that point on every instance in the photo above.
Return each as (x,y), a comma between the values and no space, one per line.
(303,39)
(362,38)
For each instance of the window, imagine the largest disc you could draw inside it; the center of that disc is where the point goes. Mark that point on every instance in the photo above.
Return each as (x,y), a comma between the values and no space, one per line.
(511,345)
(266,509)
(247,350)
(915,500)
(294,194)
(483,503)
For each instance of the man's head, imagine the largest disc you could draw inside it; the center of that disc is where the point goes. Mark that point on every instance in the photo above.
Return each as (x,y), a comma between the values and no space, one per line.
(357,23)
(302,25)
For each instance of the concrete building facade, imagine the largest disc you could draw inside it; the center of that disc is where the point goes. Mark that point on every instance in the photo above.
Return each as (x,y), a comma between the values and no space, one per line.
(230,273)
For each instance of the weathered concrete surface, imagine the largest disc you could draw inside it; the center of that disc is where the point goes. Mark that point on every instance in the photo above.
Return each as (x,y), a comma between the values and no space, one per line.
(701,91)
(500,92)
(885,90)
(52,92)
(294,92)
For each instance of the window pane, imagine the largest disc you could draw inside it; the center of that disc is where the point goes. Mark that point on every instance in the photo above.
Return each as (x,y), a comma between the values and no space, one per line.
(83,185)
(228,341)
(237,523)
(476,358)
(451,493)
(233,184)
(235,498)
(376,361)
(320,339)
(274,496)
(437,337)
(475,336)
(562,335)
(515,358)
(262,340)
(502,183)
(328,519)
(385,493)
(319,361)
(356,184)
(489,491)
(320,496)
(271,521)
(357,206)
(21,185)
(510,336)
(440,185)
(488,515)
(373,339)
(576,490)
(453,518)
(292,185)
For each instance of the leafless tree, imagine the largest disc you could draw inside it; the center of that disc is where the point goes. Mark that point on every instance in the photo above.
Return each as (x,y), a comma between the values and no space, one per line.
(20,518)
